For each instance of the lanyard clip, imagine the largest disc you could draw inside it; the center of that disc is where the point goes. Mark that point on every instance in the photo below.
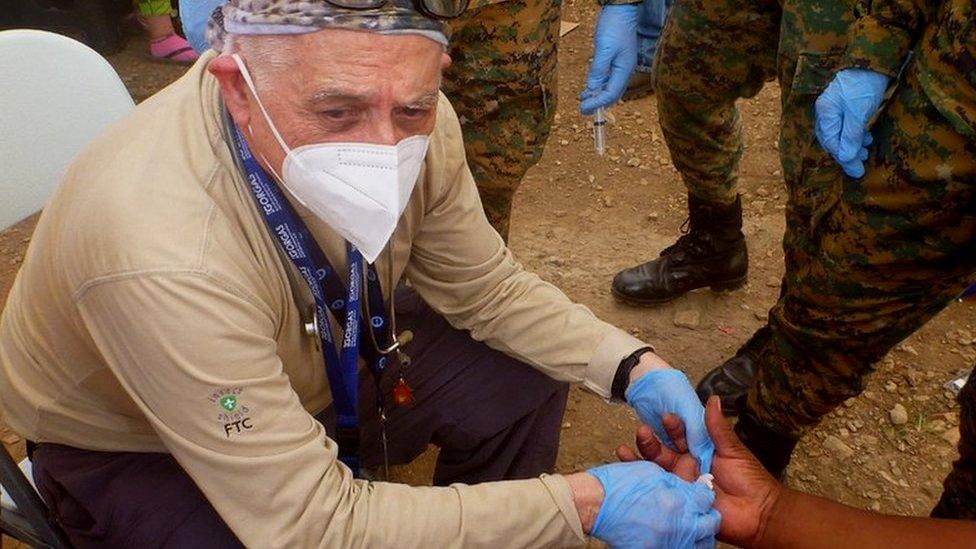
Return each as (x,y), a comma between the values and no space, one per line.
(312,327)
(404,338)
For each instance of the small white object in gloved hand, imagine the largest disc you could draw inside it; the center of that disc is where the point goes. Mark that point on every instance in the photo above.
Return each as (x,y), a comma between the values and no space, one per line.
(708,480)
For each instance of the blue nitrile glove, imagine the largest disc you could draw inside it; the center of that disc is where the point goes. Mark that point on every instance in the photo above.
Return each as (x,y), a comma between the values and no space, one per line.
(841,116)
(194,15)
(667,391)
(614,56)
(645,506)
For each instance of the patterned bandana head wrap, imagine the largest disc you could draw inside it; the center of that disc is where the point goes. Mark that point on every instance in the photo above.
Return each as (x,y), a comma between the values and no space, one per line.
(304,16)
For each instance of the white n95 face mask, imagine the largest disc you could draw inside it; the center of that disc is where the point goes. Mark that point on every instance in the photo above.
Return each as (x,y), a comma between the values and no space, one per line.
(358,189)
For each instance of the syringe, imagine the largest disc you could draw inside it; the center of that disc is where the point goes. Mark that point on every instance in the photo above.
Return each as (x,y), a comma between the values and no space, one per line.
(600,131)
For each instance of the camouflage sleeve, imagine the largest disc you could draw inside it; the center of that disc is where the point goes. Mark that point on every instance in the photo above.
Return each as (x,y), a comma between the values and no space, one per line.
(886,32)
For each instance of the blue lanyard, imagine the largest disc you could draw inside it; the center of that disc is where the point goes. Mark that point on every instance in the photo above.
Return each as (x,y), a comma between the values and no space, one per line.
(341,367)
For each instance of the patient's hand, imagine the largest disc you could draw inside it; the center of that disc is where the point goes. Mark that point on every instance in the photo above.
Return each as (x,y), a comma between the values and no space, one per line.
(745,494)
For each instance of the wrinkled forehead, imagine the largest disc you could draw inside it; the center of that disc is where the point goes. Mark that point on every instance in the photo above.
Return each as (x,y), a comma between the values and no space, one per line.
(402,69)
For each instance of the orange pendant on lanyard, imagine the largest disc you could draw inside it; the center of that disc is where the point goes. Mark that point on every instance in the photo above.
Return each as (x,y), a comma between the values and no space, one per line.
(402,392)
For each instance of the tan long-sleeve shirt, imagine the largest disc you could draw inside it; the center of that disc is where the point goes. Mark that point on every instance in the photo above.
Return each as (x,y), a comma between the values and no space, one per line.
(154,313)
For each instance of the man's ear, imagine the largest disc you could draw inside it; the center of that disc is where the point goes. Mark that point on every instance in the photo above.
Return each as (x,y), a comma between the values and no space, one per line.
(233,88)
(445,61)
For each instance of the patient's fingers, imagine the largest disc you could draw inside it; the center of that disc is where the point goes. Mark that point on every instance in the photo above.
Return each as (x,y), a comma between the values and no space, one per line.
(626,453)
(727,443)
(676,430)
(649,446)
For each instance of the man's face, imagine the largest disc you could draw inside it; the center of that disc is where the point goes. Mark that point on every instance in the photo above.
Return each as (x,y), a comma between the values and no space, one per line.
(338,86)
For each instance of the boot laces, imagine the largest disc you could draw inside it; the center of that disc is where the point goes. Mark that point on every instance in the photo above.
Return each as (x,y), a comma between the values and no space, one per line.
(691,243)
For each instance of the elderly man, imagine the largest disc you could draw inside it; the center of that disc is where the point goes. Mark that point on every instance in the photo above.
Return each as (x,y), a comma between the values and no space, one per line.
(164,343)
(501,83)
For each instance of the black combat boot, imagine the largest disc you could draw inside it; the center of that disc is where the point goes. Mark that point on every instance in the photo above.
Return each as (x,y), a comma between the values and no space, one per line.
(772,449)
(731,381)
(711,253)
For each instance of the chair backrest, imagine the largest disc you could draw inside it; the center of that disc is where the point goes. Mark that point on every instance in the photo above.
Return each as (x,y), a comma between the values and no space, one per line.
(56,94)
(23,514)
(27,469)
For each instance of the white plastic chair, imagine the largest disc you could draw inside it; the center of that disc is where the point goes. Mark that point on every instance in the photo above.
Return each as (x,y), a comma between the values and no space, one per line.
(56,94)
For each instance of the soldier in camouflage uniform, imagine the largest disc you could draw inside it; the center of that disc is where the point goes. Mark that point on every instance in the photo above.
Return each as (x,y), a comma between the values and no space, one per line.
(502,83)
(712,53)
(870,260)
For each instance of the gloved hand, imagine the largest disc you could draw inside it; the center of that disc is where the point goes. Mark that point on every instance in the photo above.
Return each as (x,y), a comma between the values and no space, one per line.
(645,506)
(614,56)
(666,390)
(841,116)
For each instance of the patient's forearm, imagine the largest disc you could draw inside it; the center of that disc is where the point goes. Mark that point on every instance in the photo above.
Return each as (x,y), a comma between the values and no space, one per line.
(804,521)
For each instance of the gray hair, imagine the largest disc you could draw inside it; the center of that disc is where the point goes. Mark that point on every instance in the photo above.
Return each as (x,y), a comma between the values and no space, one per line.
(265,54)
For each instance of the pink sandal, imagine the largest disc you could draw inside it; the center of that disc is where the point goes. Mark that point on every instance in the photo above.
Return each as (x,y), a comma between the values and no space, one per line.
(174,48)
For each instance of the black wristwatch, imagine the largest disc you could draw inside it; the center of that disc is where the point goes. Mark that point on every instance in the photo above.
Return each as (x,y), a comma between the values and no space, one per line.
(622,378)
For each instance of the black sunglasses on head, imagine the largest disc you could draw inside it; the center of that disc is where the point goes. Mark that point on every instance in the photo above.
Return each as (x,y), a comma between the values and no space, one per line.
(437,9)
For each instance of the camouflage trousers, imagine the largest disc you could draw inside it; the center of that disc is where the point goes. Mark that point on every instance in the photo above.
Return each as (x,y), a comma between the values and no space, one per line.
(714,52)
(502,83)
(868,261)
(872,260)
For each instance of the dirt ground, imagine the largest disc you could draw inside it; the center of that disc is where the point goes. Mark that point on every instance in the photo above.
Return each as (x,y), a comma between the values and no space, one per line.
(580,218)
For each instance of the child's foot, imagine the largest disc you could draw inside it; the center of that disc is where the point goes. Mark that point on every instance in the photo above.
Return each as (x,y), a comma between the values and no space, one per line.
(173,48)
